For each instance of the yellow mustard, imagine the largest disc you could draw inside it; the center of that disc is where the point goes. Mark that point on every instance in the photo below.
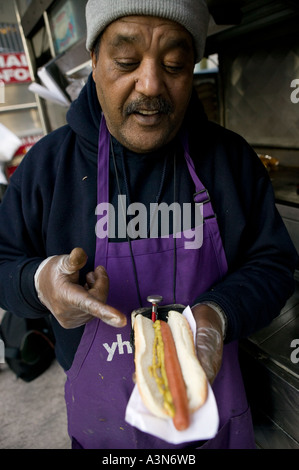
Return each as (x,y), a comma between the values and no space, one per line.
(157,370)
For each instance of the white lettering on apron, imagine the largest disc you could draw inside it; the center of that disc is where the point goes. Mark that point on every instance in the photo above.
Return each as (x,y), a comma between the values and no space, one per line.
(118,344)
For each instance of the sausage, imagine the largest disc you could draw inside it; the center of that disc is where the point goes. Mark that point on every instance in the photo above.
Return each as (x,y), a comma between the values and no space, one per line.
(164,385)
(181,419)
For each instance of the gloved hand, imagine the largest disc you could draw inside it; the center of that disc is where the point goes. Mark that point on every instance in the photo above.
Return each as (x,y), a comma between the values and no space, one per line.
(209,339)
(73,305)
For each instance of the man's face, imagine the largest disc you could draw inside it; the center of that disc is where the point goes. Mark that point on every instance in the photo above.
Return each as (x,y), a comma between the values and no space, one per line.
(143,77)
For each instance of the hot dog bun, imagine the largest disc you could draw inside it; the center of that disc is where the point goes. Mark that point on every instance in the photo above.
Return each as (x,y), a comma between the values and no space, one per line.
(144,336)
(193,374)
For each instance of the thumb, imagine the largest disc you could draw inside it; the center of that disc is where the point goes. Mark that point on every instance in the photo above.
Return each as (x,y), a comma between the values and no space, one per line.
(73,262)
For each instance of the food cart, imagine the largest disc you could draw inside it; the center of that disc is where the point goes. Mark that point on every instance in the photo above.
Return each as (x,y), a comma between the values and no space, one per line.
(253,90)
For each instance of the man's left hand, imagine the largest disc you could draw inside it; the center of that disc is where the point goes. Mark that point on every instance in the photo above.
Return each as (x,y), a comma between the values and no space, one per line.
(209,339)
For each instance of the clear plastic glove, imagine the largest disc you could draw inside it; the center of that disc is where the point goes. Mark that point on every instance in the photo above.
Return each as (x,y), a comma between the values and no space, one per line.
(73,305)
(209,339)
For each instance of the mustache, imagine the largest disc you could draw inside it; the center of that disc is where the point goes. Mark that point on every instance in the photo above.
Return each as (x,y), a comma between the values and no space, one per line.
(149,104)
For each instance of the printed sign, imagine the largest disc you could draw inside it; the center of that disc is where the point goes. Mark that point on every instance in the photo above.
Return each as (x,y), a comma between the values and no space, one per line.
(14,68)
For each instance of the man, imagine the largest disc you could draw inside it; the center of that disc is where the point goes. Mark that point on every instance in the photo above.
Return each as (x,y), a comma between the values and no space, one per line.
(137,134)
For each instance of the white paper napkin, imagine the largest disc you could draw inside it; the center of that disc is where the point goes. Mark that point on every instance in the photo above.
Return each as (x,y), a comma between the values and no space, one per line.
(204,422)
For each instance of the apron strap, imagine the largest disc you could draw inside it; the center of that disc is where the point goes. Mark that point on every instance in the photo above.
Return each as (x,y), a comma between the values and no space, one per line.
(103,186)
(201,195)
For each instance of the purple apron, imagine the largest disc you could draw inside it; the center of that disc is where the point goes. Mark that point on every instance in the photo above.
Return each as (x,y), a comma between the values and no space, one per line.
(99,383)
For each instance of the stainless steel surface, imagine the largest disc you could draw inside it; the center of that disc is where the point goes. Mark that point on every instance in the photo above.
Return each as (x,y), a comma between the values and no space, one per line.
(275,340)
(16,94)
(257,93)
(7,13)
(49,33)
(263,18)
(272,379)
(269,435)
(285,182)
(43,114)
(17,107)
(290,216)
(273,395)
(22,122)
(154,299)
(33,15)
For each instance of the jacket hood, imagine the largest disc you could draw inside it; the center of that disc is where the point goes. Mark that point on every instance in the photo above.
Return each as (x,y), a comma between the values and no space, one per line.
(84,116)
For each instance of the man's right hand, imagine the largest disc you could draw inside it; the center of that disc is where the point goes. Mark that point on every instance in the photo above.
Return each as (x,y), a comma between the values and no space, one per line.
(72,304)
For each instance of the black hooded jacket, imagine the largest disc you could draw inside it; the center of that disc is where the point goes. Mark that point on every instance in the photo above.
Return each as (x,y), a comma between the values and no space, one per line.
(49,208)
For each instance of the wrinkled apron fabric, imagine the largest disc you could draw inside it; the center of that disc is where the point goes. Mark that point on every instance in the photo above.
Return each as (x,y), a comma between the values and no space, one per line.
(99,383)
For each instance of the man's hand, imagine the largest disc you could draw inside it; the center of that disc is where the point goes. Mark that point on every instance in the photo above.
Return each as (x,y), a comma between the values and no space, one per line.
(71,304)
(209,339)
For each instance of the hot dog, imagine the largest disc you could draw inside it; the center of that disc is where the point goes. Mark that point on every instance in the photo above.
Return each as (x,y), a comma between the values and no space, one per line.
(170,379)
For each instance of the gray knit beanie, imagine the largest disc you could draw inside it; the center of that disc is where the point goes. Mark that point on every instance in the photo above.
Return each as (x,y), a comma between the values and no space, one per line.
(192,14)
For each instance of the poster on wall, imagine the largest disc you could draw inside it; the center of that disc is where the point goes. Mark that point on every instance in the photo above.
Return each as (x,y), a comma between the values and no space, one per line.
(14,68)
(64,27)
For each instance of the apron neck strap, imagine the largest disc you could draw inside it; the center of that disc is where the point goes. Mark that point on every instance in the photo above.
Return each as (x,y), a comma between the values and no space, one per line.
(201,195)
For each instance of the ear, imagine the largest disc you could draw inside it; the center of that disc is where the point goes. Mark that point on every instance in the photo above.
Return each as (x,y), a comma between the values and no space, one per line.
(93,63)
